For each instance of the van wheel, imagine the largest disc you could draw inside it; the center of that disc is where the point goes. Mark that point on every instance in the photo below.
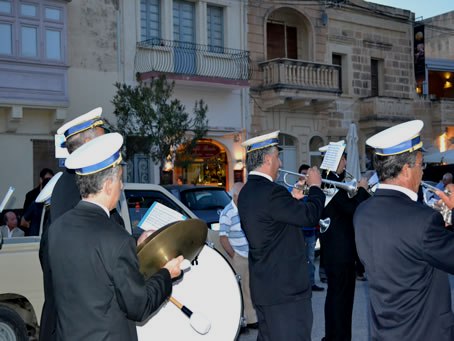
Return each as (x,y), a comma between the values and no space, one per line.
(12,328)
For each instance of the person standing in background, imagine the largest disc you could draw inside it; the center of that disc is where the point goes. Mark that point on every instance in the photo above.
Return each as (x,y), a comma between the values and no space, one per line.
(46,173)
(310,237)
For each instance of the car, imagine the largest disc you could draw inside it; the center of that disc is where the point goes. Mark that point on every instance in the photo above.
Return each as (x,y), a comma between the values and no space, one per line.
(21,290)
(206,202)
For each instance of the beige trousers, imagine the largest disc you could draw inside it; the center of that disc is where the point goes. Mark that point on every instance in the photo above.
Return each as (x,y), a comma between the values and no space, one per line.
(241,266)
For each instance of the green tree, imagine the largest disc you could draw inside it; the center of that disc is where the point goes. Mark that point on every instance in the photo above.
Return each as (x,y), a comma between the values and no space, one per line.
(156,124)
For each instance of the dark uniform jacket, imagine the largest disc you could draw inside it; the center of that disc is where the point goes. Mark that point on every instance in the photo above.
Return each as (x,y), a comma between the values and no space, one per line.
(338,242)
(65,196)
(99,291)
(407,253)
(271,219)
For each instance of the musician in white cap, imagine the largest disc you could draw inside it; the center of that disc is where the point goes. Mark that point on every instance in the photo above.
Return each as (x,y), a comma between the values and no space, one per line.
(65,196)
(404,246)
(78,131)
(339,251)
(271,219)
(99,291)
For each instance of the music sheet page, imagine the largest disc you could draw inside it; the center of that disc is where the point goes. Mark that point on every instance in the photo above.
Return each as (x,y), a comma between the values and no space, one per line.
(159,215)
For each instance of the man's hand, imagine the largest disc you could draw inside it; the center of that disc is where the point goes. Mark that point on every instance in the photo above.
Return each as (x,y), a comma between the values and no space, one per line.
(144,236)
(173,266)
(448,200)
(297,193)
(363,183)
(313,177)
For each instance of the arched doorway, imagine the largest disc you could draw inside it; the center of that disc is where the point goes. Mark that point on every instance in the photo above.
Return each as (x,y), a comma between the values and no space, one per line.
(207,165)
(315,155)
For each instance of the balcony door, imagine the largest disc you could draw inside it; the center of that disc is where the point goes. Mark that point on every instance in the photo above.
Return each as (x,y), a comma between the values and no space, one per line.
(184,36)
(281,41)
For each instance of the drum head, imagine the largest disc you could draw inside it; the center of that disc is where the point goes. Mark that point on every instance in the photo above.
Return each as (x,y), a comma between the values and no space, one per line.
(209,288)
(185,238)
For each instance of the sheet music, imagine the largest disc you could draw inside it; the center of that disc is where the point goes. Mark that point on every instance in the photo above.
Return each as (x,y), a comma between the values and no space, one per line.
(6,198)
(332,156)
(60,152)
(159,215)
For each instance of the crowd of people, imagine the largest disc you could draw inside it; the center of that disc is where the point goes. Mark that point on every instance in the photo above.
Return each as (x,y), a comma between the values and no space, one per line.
(268,232)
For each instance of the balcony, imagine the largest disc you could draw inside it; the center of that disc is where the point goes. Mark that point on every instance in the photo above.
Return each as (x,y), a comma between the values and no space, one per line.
(286,80)
(190,61)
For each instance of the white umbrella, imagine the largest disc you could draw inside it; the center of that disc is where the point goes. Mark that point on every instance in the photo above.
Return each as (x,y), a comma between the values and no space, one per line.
(437,157)
(352,153)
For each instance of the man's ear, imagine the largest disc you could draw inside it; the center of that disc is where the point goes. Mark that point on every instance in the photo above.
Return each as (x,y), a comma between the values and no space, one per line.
(107,187)
(406,170)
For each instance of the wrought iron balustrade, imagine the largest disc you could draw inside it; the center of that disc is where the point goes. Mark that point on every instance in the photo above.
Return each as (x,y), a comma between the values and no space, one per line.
(185,58)
(291,73)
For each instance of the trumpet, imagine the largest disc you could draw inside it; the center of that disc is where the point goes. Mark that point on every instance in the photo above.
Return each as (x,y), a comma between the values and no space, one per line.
(443,208)
(351,186)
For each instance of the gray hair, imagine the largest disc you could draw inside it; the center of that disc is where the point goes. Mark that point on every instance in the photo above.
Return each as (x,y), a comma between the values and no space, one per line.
(77,140)
(389,167)
(256,158)
(93,183)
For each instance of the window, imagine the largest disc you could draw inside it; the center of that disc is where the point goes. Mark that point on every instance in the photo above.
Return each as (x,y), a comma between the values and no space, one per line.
(281,41)
(5,7)
(32,30)
(374,77)
(6,46)
(337,60)
(183,21)
(150,21)
(215,25)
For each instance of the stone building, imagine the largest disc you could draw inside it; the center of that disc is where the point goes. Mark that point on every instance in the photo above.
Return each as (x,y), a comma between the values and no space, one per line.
(321,65)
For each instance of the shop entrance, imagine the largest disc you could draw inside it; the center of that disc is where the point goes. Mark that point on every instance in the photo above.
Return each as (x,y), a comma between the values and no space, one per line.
(207,165)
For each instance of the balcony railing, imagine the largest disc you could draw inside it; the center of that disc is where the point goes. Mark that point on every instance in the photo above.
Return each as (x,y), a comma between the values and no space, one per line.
(297,74)
(171,56)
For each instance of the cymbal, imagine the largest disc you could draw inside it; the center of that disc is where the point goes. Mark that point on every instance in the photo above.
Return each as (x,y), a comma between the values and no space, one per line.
(186,237)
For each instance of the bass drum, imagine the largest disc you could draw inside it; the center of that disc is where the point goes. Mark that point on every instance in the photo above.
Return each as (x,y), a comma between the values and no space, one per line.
(210,288)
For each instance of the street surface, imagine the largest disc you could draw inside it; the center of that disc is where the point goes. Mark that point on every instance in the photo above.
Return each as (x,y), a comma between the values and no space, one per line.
(359,323)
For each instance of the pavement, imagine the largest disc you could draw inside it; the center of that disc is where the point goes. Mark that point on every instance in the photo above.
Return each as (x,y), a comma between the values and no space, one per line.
(360,323)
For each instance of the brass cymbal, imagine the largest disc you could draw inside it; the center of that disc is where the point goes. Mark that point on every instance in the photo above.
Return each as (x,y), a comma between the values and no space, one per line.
(185,238)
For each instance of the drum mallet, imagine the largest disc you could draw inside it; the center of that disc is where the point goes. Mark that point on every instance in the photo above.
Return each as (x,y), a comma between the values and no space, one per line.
(198,322)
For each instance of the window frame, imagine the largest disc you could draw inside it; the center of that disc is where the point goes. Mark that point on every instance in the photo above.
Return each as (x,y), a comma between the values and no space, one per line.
(41,24)
(212,45)
(145,35)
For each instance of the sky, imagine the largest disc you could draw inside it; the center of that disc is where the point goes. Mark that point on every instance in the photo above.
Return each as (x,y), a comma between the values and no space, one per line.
(421,8)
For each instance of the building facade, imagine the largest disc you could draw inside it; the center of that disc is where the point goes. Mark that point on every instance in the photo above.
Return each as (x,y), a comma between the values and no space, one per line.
(62,59)
(320,66)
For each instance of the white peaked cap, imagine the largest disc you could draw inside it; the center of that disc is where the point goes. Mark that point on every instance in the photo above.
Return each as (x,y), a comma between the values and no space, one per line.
(96,155)
(262,141)
(404,137)
(46,192)
(81,123)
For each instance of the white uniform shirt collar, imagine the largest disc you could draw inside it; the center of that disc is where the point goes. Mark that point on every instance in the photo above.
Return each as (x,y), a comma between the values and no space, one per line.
(103,207)
(261,174)
(10,232)
(412,195)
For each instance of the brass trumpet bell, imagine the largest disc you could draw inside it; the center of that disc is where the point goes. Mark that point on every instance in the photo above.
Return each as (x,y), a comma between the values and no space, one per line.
(185,238)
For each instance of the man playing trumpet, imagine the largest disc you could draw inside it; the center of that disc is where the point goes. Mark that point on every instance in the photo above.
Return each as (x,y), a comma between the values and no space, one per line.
(404,246)
(339,253)
(271,219)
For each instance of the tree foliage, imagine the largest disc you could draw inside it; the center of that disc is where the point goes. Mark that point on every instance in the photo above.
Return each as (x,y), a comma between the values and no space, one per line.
(154,123)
